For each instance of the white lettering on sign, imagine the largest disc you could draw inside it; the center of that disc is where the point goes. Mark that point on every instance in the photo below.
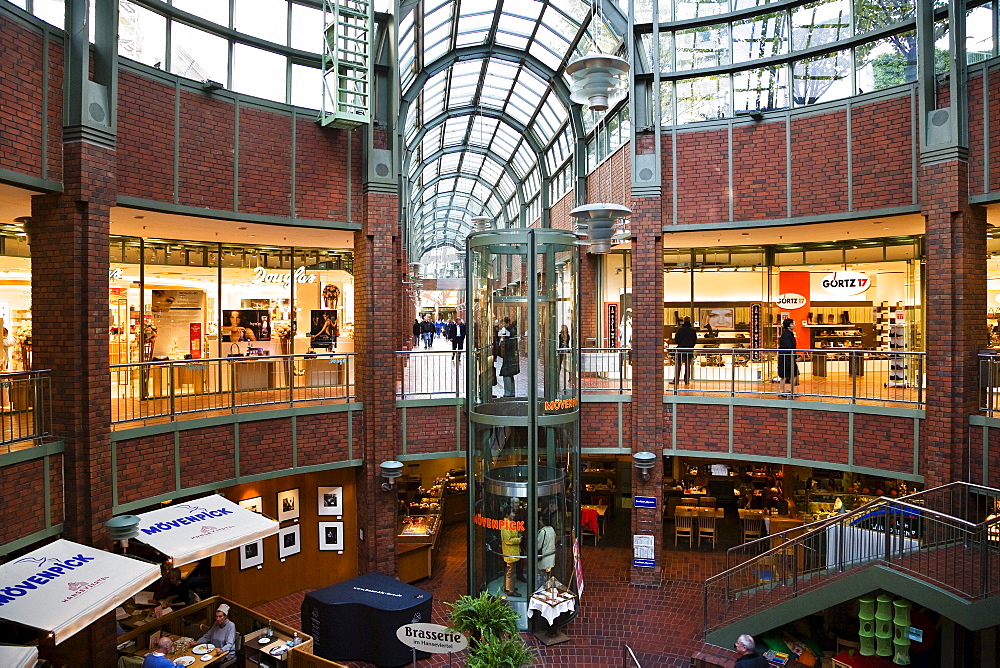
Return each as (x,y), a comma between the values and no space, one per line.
(790,300)
(846,283)
(115,273)
(284,278)
(432,638)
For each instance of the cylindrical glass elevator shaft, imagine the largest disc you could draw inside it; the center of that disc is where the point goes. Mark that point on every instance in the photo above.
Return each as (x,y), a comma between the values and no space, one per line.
(523,408)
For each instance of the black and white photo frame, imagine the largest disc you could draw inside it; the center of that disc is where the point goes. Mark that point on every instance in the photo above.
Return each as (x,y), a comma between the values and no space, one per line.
(252,555)
(331,536)
(331,501)
(289,541)
(255,504)
(288,505)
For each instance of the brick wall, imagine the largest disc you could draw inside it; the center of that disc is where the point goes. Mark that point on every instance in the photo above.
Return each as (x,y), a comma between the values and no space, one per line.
(993,146)
(145,467)
(206,455)
(760,431)
(21,69)
(759,180)
(882,153)
(819,163)
(599,426)
(323,438)
(22,501)
(433,429)
(265,445)
(702,176)
(146,135)
(265,162)
(881,442)
(207,151)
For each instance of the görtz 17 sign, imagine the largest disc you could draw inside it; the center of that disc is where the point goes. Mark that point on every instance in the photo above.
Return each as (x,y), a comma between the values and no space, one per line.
(432,638)
(790,300)
(846,283)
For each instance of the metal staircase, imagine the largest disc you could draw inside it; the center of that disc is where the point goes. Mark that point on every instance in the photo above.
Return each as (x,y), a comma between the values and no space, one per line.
(940,547)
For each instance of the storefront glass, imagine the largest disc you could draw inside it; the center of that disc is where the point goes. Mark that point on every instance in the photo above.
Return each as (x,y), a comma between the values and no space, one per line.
(200,300)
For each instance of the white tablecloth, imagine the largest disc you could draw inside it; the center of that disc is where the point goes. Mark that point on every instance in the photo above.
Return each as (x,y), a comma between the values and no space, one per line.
(549,611)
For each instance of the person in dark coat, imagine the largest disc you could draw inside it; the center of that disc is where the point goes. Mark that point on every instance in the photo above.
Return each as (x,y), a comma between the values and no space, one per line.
(788,370)
(686,338)
(456,332)
(508,350)
(427,329)
(749,658)
(416,332)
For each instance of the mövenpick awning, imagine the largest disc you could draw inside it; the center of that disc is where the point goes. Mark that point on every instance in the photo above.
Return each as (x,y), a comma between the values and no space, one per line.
(190,531)
(64,586)
(18,657)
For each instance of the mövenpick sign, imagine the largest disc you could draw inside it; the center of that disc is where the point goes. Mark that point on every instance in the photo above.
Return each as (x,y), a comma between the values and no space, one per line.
(432,638)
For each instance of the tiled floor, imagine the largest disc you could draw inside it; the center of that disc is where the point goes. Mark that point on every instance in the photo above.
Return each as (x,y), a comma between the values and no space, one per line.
(662,624)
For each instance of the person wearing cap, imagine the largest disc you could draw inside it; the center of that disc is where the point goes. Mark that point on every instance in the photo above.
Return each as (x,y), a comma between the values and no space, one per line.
(223,632)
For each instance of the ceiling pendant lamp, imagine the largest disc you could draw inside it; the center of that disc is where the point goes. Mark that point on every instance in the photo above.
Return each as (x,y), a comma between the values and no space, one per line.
(481,223)
(597,222)
(596,78)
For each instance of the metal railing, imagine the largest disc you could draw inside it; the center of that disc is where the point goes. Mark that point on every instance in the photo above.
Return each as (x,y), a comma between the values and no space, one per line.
(873,377)
(427,374)
(628,658)
(903,534)
(605,371)
(179,389)
(25,409)
(989,383)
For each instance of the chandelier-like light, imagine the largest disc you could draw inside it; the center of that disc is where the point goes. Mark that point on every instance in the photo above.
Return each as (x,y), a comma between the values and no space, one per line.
(596,222)
(596,78)
(481,223)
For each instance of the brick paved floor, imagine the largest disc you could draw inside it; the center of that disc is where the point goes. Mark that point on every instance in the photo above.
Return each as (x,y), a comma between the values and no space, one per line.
(661,624)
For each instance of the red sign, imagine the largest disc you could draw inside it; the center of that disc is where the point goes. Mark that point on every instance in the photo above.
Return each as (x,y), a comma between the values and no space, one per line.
(611,324)
(195,340)
(796,283)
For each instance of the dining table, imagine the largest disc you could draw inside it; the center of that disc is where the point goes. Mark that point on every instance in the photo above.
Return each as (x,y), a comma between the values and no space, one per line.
(217,655)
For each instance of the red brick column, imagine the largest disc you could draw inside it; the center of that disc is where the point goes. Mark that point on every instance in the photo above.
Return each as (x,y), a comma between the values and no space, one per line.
(378,322)
(68,233)
(647,368)
(956,304)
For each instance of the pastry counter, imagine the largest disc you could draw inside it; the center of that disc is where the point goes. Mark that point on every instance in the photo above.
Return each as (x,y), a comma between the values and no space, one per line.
(416,541)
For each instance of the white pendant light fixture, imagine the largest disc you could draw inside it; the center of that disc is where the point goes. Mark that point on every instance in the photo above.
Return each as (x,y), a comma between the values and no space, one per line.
(597,222)
(597,78)
(481,223)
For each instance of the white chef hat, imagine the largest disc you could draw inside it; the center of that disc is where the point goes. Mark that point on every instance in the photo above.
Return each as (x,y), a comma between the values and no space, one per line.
(223,608)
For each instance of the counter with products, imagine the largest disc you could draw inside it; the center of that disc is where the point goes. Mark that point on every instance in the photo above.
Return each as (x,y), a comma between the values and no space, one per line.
(417,539)
(456,497)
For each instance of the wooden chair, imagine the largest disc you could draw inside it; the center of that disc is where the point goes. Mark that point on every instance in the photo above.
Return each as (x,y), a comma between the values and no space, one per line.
(707,502)
(707,519)
(684,524)
(752,527)
(688,501)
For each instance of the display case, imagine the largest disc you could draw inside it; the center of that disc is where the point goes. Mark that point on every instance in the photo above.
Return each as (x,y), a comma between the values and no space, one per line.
(456,497)
(417,540)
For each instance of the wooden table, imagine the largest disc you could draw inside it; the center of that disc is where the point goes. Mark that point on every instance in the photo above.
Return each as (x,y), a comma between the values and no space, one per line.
(173,656)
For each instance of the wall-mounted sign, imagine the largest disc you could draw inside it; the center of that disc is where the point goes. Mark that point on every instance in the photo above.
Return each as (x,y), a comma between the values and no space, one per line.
(790,300)
(432,638)
(643,501)
(846,283)
(283,278)
(561,404)
(644,563)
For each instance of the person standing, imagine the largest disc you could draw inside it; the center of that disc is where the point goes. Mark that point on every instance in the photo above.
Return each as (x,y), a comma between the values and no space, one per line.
(686,338)
(510,539)
(511,364)
(416,332)
(788,370)
(456,333)
(546,547)
(749,658)
(427,331)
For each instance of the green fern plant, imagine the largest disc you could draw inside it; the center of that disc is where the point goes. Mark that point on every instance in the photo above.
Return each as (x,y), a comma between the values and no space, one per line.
(490,652)
(479,616)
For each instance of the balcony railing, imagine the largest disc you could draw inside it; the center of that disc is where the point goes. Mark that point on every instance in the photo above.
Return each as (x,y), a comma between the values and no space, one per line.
(430,374)
(907,534)
(25,409)
(989,383)
(175,390)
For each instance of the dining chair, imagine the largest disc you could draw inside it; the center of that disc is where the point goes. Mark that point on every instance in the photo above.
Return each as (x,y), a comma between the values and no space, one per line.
(753,527)
(707,502)
(684,523)
(688,501)
(707,519)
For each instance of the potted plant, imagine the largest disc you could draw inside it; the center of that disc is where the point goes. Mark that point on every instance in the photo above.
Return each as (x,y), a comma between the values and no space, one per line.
(491,625)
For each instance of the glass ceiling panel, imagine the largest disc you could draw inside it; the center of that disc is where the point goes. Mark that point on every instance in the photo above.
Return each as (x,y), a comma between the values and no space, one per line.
(545,29)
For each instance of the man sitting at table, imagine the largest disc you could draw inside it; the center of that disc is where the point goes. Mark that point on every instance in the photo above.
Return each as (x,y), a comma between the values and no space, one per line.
(158,657)
(223,632)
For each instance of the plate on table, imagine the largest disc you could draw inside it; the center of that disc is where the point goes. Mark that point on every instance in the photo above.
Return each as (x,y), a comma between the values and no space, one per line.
(207,657)
(264,640)
(279,650)
(204,648)
(185,660)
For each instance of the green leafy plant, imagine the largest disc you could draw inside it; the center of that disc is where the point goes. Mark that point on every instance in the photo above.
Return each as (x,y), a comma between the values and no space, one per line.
(511,652)
(483,615)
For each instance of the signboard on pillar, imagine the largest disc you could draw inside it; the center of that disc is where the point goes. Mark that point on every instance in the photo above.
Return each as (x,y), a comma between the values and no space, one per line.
(793,302)
(611,324)
(756,330)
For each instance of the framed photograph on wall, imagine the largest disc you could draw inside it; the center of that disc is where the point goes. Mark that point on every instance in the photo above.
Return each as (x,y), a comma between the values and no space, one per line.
(289,541)
(331,500)
(252,554)
(331,536)
(255,504)
(288,505)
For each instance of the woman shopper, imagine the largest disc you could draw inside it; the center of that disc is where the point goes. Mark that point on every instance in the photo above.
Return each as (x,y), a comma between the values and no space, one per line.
(788,370)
